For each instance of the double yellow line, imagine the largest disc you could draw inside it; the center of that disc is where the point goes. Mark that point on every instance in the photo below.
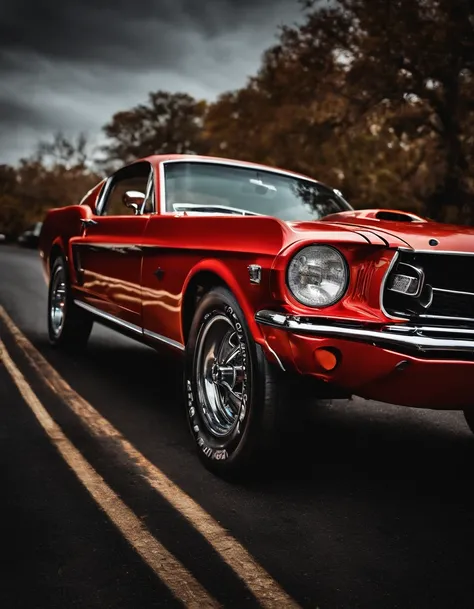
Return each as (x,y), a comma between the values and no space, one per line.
(167,567)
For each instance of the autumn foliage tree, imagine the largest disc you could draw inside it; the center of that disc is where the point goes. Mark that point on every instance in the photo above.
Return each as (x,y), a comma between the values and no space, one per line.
(170,123)
(376,96)
(416,59)
(57,174)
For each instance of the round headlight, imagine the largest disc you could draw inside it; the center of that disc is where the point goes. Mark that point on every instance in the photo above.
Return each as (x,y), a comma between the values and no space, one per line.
(317,276)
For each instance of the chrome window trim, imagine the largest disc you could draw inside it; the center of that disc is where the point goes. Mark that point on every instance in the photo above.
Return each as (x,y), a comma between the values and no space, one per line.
(149,193)
(162,189)
(105,191)
(228,163)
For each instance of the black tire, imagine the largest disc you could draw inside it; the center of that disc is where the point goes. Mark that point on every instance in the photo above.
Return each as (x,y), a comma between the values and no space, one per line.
(74,329)
(259,420)
(469,416)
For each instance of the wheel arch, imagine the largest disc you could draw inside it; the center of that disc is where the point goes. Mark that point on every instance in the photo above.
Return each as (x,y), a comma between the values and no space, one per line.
(203,277)
(56,251)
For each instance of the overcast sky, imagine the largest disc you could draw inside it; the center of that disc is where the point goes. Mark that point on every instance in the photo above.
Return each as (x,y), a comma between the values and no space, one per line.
(71,64)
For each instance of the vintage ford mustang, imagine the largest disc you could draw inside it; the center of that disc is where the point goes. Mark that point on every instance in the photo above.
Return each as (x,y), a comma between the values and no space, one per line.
(259,276)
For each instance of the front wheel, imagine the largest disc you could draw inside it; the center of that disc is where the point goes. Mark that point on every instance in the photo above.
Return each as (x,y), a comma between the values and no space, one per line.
(232,398)
(68,325)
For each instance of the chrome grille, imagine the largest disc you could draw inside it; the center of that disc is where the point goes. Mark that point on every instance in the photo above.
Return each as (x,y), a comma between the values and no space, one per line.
(451,304)
(451,276)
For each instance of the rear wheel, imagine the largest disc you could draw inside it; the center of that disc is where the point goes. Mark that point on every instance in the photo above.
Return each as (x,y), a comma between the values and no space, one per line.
(234,397)
(68,325)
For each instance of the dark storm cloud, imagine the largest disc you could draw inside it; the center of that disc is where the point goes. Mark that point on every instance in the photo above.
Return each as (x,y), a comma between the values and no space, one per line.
(12,111)
(83,32)
(73,63)
(123,32)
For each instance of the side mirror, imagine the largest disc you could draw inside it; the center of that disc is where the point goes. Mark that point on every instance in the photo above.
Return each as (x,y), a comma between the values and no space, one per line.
(133,199)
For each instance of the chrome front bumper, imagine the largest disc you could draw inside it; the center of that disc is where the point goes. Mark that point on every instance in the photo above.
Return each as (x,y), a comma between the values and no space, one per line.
(405,336)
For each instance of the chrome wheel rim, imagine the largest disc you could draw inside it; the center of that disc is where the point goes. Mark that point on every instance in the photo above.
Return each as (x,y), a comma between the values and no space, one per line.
(221,376)
(57,308)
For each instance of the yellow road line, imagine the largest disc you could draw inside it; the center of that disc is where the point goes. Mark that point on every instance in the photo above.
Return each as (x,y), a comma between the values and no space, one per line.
(171,572)
(265,589)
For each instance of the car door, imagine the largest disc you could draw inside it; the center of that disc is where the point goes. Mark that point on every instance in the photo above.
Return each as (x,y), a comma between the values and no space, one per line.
(166,264)
(108,255)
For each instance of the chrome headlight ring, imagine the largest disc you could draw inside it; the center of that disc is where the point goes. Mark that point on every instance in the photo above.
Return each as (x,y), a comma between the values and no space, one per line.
(317,275)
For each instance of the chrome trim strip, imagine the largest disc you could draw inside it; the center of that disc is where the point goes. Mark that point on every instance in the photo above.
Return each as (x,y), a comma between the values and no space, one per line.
(275,356)
(433,251)
(429,302)
(163,339)
(121,247)
(129,326)
(453,291)
(417,342)
(382,287)
(426,316)
(403,328)
(108,316)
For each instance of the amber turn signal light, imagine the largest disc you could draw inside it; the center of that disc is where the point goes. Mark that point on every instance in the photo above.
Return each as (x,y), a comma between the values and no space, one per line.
(327,359)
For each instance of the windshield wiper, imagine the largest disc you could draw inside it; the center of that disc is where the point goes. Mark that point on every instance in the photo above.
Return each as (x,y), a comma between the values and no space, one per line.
(213,208)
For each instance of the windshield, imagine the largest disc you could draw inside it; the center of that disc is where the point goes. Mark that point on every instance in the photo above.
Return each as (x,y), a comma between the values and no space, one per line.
(218,188)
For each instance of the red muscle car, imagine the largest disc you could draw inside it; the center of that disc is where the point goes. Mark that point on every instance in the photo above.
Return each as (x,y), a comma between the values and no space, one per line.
(260,276)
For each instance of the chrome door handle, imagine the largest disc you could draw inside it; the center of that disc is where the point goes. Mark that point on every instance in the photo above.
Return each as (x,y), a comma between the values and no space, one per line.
(88,221)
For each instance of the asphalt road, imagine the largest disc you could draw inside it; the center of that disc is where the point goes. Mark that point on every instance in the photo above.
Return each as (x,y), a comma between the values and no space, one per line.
(372,507)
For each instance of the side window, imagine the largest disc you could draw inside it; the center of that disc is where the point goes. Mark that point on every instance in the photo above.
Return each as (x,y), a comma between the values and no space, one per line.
(137,178)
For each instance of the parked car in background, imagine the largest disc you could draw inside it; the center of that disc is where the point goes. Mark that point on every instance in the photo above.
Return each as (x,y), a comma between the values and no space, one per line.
(258,276)
(3,238)
(30,237)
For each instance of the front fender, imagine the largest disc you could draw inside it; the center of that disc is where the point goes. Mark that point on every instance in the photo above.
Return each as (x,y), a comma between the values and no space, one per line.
(225,274)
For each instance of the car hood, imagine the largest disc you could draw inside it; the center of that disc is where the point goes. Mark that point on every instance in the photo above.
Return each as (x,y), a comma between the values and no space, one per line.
(406,230)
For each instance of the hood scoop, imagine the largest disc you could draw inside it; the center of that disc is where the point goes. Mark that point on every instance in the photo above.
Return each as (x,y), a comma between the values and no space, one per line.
(394,216)
(384,215)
